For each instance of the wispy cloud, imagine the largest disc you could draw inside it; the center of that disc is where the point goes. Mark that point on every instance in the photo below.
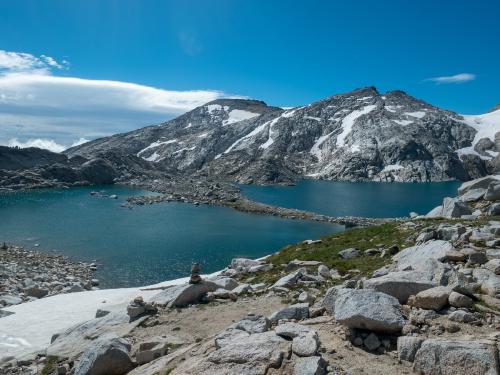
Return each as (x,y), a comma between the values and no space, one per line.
(26,62)
(457,78)
(190,42)
(48,144)
(37,106)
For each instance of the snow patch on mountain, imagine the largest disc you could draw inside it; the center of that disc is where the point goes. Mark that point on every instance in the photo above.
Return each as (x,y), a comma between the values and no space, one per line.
(156,144)
(237,115)
(348,122)
(486,126)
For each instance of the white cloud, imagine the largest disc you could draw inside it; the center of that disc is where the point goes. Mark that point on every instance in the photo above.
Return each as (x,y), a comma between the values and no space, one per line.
(47,144)
(26,62)
(457,78)
(38,106)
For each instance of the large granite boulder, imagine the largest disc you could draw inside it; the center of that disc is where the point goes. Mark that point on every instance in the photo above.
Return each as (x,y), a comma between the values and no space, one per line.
(432,299)
(298,311)
(479,183)
(106,356)
(454,208)
(453,357)
(408,347)
(493,192)
(183,295)
(368,309)
(400,284)
(415,256)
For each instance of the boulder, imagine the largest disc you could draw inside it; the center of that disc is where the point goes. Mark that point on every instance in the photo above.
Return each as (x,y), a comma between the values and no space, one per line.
(408,347)
(261,268)
(309,366)
(459,300)
(435,212)
(431,299)
(183,295)
(323,271)
(77,339)
(257,352)
(305,297)
(253,324)
(371,342)
(400,285)
(306,345)
(449,232)
(493,265)
(454,256)
(328,301)
(473,195)
(461,316)
(244,263)
(454,208)
(368,309)
(106,356)
(298,311)
(227,283)
(289,280)
(494,209)
(426,236)
(291,330)
(36,291)
(456,357)
(414,257)
(349,253)
(493,191)
(479,183)
(151,349)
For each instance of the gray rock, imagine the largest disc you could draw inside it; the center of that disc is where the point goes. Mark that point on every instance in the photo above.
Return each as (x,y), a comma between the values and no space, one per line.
(494,209)
(75,340)
(244,263)
(448,232)
(371,342)
(401,284)
(477,257)
(305,297)
(432,299)
(306,345)
(8,299)
(456,357)
(334,274)
(106,356)
(414,257)
(381,272)
(309,366)
(35,291)
(183,295)
(261,268)
(426,236)
(368,309)
(461,316)
(479,183)
(408,347)
(473,195)
(227,283)
(459,300)
(349,253)
(290,280)
(454,208)
(323,271)
(151,349)
(328,301)
(254,324)
(493,191)
(493,265)
(101,312)
(242,288)
(298,311)
(435,212)
(291,330)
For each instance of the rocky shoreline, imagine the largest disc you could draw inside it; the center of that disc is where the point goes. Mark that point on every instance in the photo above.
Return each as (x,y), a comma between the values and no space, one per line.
(28,275)
(229,195)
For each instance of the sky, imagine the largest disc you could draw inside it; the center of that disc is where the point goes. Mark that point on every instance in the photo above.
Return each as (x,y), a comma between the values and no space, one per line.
(76,70)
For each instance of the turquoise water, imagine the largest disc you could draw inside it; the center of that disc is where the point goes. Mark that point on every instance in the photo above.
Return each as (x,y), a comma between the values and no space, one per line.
(146,244)
(368,199)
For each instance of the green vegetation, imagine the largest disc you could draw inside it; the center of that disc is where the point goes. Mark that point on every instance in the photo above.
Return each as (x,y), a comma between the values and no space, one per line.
(327,251)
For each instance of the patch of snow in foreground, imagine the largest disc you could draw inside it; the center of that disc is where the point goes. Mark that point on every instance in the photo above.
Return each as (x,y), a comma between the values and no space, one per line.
(348,122)
(486,126)
(237,115)
(32,325)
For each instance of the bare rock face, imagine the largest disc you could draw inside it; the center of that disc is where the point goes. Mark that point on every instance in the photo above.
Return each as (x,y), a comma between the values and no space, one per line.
(456,357)
(107,356)
(360,135)
(369,310)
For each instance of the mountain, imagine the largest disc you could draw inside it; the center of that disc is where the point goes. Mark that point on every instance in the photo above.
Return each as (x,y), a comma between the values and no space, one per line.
(360,135)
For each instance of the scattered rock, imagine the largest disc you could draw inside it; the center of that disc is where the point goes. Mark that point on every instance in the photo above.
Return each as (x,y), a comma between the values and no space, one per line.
(408,347)
(349,253)
(431,299)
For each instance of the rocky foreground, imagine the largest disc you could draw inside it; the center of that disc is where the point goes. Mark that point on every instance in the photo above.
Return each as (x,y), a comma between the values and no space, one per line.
(415,296)
(27,275)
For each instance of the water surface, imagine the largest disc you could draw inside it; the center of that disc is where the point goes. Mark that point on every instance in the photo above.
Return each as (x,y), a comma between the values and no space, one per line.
(147,244)
(367,199)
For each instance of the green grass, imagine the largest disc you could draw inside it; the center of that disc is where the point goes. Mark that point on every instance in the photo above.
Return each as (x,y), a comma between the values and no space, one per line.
(327,252)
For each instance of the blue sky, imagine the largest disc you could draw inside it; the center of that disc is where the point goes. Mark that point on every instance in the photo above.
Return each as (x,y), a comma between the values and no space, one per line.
(286,53)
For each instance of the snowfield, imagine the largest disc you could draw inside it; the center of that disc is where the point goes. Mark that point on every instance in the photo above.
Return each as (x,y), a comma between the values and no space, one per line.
(32,325)
(487,126)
